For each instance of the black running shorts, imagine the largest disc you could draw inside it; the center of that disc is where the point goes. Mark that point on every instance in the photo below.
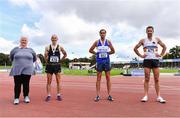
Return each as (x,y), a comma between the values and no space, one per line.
(151,63)
(53,68)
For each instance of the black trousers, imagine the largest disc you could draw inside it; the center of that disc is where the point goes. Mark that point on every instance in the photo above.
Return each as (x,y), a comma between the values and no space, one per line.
(21,80)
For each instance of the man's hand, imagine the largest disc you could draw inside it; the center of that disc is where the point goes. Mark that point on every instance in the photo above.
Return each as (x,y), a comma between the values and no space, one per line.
(143,56)
(158,55)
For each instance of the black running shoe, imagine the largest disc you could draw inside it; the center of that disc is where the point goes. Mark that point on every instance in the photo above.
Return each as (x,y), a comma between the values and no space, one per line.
(110,98)
(59,98)
(48,98)
(97,98)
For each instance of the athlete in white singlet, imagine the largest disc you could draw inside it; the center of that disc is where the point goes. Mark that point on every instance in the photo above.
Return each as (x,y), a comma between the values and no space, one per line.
(151,61)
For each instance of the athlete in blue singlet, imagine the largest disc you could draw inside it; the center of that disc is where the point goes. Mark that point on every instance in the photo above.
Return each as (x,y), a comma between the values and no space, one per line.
(104,49)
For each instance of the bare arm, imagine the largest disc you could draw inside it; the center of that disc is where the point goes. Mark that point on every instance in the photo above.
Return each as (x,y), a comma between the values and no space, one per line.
(136,48)
(163,47)
(91,50)
(64,53)
(111,47)
(46,54)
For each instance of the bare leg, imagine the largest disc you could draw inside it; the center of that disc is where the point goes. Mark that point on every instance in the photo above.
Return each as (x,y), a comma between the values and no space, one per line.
(156,80)
(108,82)
(98,83)
(146,81)
(48,86)
(58,78)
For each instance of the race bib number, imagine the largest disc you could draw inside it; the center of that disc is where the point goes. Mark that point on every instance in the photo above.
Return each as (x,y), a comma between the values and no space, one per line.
(102,55)
(54,59)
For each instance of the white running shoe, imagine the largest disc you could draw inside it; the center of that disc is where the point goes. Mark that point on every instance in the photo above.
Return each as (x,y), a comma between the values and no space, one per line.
(16,101)
(161,100)
(144,99)
(26,99)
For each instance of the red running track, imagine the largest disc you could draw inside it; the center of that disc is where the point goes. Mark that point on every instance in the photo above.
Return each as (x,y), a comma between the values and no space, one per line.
(78,95)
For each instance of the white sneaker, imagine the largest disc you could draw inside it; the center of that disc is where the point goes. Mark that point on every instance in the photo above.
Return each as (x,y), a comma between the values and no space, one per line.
(16,101)
(26,99)
(144,99)
(161,100)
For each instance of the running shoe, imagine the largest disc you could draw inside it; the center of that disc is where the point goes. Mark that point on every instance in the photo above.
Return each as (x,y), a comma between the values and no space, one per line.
(97,98)
(144,99)
(26,99)
(161,100)
(48,98)
(110,98)
(16,101)
(59,98)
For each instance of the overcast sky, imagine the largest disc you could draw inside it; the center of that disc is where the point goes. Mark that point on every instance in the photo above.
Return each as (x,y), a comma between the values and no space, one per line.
(77,23)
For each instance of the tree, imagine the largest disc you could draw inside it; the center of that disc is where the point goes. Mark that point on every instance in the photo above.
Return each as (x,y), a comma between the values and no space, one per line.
(4,59)
(93,60)
(174,53)
(65,62)
(85,59)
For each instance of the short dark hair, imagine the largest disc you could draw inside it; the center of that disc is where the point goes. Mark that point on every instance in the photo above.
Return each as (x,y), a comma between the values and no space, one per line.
(149,27)
(102,30)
